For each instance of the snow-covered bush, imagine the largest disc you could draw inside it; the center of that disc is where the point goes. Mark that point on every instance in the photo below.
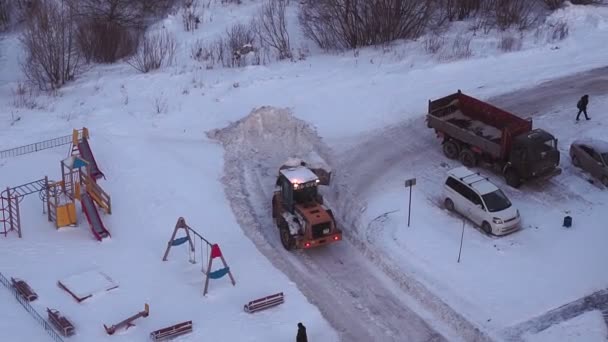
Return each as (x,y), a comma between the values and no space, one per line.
(509,43)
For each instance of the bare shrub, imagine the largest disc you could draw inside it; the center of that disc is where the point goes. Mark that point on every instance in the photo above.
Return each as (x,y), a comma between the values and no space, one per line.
(509,43)
(24,97)
(552,32)
(5,14)
(461,49)
(554,4)
(126,13)
(190,16)
(433,44)
(161,104)
(240,42)
(106,42)
(272,28)
(504,14)
(586,2)
(154,51)
(49,38)
(236,2)
(455,10)
(338,24)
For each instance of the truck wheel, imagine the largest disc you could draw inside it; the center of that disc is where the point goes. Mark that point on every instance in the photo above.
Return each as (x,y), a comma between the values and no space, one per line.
(512,179)
(451,149)
(468,158)
(286,239)
(485,226)
(449,204)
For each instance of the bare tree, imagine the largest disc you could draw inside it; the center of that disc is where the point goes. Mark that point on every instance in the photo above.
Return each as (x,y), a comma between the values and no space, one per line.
(106,42)
(49,38)
(126,13)
(272,27)
(5,15)
(154,51)
(338,24)
(189,15)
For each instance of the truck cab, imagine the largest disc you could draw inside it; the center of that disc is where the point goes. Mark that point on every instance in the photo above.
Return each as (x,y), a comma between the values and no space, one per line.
(533,155)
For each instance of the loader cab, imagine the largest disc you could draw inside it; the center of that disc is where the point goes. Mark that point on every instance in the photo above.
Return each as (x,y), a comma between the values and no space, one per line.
(298,185)
(534,153)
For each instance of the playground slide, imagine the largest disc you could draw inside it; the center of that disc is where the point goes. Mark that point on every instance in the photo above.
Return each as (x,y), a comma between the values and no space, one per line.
(87,154)
(90,211)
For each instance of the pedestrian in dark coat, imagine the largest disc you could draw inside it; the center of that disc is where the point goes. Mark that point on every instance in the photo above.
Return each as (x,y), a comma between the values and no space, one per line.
(301,337)
(582,106)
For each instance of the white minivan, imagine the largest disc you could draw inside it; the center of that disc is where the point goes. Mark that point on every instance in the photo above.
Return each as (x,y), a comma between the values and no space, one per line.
(479,200)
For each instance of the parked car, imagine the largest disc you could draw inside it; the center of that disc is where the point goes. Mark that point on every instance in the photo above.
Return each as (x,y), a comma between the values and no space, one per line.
(591,155)
(480,201)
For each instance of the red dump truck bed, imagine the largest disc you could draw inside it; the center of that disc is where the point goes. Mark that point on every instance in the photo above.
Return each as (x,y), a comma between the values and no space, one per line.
(477,123)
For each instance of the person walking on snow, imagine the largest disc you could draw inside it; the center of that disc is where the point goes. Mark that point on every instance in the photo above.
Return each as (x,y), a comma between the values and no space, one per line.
(301,337)
(582,106)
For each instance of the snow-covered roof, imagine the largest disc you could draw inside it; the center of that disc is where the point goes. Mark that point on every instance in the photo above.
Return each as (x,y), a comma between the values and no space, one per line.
(474,179)
(598,145)
(299,174)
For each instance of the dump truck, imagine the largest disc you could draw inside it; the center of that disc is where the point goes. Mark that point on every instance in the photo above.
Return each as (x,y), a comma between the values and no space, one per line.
(476,132)
(298,211)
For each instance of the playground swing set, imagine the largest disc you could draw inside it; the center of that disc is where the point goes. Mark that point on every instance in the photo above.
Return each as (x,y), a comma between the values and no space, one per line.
(213,252)
(79,175)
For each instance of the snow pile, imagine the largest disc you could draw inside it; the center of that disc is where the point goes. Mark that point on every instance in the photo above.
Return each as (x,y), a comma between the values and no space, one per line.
(270,133)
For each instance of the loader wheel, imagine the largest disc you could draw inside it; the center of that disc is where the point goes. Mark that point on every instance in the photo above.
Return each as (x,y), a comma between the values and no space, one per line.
(451,149)
(468,158)
(286,239)
(512,179)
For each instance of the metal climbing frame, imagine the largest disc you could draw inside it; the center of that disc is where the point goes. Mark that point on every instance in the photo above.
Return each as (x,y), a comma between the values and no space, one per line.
(10,199)
(39,146)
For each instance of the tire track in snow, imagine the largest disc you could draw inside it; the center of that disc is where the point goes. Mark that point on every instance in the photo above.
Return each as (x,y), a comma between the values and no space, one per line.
(356,298)
(411,145)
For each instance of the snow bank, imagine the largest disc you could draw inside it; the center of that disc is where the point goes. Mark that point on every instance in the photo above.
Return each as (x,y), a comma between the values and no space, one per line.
(588,327)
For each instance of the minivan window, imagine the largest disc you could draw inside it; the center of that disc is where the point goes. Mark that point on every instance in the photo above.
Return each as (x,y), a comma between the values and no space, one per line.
(496,201)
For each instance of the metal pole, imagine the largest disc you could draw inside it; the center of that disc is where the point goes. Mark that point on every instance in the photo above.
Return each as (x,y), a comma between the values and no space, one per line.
(409,208)
(461,238)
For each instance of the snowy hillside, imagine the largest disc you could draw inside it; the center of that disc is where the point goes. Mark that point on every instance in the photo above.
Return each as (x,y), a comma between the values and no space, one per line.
(204,142)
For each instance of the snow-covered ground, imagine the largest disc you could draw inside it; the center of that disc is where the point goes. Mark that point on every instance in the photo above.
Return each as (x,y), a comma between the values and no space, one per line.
(149,138)
(589,326)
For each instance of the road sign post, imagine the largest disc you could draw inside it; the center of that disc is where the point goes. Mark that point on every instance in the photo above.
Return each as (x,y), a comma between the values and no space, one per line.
(409,183)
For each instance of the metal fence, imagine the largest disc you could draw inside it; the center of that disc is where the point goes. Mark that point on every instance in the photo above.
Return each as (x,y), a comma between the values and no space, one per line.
(31,310)
(39,146)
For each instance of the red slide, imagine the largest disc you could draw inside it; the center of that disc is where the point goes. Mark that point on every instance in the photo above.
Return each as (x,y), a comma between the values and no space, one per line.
(90,211)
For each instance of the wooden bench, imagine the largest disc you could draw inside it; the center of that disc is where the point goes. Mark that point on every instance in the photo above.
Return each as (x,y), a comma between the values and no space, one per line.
(24,289)
(264,303)
(61,323)
(172,331)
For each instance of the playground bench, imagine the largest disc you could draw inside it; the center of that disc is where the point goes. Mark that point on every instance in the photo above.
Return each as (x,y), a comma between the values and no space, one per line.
(172,331)
(24,290)
(264,303)
(61,323)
